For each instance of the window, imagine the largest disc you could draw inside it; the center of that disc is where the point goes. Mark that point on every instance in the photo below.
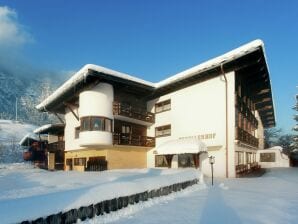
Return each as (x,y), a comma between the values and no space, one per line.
(108,125)
(77,132)
(80,161)
(68,162)
(96,124)
(248,157)
(161,161)
(239,158)
(254,157)
(85,124)
(185,160)
(163,131)
(125,129)
(267,157)
(163,106)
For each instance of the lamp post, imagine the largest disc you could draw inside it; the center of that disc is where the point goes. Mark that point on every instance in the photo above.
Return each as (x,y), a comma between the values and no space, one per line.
(16,108)
(211,161)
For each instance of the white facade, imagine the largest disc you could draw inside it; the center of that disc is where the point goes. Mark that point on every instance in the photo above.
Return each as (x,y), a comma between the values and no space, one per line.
(199,111)
(217,102)
(71,123)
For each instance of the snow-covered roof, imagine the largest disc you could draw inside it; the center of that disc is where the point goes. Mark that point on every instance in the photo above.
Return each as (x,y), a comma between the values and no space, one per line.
(275,148)
(28,137)
(83,72)
(47,127)
(181,146)
(229,56)
(81,75)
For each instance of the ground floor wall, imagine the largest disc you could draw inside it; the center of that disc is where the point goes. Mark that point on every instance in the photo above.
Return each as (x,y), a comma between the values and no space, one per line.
(219,167)
(116,158)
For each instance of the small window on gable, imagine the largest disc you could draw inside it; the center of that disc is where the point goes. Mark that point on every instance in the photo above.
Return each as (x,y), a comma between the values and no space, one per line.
(163,106)
(77,132)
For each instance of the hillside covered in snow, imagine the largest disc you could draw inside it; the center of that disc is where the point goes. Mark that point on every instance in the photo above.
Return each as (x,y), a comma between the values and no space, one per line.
(11,132)
(23,93)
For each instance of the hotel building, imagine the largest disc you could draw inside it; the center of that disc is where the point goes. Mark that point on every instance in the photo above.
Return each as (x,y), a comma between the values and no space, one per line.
(115,121)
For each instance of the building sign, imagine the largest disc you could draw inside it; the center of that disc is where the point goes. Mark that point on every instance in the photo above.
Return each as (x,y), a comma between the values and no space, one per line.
(267,157)
(201,136)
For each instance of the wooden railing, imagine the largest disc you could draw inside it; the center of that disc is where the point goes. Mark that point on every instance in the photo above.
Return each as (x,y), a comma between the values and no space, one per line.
(247,138)
(246,111)
(56,146)
(127,110)
(134,140)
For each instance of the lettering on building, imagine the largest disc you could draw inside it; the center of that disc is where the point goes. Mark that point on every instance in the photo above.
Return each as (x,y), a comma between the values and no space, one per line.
(201,136)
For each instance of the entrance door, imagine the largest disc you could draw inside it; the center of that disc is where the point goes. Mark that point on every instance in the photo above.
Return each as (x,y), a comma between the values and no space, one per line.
(98,163)
(69,164)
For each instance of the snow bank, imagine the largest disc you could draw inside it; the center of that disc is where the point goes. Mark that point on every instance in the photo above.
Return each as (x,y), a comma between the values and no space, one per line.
(270,199)
(27,193)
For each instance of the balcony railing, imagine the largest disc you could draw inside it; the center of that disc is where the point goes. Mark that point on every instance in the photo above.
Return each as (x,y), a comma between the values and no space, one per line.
(127,110)
(134,140)
(247,138)
(246,111)
(56,146)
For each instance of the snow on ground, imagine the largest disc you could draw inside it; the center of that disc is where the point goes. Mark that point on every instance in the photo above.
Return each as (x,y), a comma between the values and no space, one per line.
(29,193)
(272,198)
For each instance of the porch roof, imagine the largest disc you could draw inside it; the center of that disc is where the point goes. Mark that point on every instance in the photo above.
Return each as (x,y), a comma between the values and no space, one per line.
(181,146)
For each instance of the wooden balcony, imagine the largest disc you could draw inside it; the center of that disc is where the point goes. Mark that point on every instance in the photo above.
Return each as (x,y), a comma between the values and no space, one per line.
(246,111)
(56,146)
(130,111)
(133,140)
(246,138)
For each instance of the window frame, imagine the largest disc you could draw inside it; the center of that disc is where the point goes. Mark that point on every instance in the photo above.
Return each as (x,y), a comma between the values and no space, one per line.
(164,161)
(162,105)
(77,132)
(90,120)
(164,128)
(81,161)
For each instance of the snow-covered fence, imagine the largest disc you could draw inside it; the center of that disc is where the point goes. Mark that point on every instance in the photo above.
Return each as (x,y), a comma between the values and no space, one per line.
(107,206)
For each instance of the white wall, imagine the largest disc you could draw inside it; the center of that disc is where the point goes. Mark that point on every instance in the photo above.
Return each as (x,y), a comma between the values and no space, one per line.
(70,124)
(260,131)
(199,110)
(97,101)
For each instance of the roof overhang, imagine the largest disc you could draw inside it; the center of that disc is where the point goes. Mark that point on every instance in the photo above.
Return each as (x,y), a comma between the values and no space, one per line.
(28,139)
(249,58)
(54,129)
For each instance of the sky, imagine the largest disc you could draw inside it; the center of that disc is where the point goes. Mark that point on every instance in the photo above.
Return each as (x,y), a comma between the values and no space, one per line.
(151,39)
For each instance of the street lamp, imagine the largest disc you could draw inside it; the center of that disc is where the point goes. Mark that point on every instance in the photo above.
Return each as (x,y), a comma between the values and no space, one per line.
(211,161)
(16,108)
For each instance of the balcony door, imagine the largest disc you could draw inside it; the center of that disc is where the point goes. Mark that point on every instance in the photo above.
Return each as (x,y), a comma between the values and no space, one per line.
(126,129)
(126,133)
